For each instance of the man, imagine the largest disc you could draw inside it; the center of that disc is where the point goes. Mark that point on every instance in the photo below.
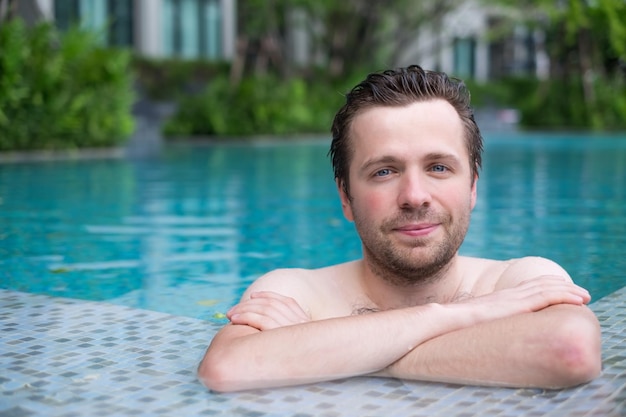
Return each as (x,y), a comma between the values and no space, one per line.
(406,153)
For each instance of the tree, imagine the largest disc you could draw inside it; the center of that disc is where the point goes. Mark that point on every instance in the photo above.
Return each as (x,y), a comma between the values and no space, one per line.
(346,35)
(8,10)
(586,44)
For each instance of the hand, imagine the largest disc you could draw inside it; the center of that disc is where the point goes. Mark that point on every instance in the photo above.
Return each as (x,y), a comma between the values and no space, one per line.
(532,295)
(267,310)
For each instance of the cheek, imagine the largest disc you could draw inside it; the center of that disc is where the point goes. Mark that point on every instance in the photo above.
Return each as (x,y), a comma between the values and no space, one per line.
(465,204)
(461,202)
(375,202)
(371,205)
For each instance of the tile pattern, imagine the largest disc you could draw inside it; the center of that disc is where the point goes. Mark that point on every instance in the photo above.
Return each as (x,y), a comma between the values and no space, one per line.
(70,358)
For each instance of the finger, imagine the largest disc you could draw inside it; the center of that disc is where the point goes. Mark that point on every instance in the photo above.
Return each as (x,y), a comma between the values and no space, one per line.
(550,282)
(258,321)
(532,296)
(553,279)
(567,291)
(290,302)
(543,296)
(272,305)
(276,311)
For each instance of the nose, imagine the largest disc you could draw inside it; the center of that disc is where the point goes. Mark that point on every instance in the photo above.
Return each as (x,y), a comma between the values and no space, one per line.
(414,191)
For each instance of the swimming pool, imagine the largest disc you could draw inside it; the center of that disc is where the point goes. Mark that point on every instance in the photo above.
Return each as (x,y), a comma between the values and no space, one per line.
(186,231)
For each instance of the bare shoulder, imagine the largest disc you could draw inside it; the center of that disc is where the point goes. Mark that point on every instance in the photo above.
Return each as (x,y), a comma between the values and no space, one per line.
(487,275)
(522,269)
(481,275)
(321,292)
(290,282)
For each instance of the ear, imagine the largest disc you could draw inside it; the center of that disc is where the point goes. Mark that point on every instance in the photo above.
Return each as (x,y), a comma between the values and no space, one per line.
(345,201)
(473,192)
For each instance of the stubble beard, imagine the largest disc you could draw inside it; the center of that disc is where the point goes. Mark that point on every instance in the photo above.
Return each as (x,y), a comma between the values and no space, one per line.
(421,262)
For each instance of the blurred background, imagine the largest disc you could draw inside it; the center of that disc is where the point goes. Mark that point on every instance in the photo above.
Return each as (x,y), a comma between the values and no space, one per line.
(188,210)
(96,73)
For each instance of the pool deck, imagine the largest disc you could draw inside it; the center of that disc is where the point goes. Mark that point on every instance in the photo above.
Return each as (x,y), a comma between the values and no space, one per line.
(65,357)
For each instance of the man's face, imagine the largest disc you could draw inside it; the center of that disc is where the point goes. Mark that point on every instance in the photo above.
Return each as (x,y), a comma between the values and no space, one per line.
(411,188)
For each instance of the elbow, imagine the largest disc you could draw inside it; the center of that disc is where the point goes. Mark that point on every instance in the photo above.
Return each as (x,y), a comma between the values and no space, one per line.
(217,373)
(577,365)
(576,357)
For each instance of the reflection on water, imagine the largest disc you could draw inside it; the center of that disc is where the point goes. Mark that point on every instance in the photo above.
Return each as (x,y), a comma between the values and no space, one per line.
(187,231)
(561,197)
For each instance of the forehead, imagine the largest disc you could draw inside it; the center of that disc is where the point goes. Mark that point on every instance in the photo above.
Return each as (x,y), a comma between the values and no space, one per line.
(412,130)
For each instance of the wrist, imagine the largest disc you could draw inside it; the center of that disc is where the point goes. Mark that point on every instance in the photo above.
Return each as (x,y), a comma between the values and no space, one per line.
(436,319)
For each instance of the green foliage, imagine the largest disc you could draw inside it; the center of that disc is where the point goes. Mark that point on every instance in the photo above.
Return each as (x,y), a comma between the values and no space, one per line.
(170,79)
(604,18)
(61,91)
(556,104)
(585,42)
(261,105)
(344,35)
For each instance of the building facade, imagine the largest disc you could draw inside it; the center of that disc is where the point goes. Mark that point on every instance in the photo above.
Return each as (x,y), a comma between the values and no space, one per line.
(189,29)
(478,42)
(461,43)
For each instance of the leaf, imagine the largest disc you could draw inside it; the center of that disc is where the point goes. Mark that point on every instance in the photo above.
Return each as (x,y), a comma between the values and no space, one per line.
(60,270)
(208,303)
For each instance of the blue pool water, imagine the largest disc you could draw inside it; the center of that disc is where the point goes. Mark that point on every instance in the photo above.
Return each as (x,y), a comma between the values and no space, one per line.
(185,232)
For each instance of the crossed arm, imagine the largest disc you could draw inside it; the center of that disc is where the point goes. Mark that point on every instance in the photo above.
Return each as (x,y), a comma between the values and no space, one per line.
(556,347)
(537,333)
(552,347)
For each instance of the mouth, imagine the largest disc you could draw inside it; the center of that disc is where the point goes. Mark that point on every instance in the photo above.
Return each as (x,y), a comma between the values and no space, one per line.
(416,230)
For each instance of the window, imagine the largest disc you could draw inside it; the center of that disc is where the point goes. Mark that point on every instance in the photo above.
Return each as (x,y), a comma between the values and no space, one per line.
(192,28)
(66,13)
(464,53)
(120,25)
(210,24)
(113,17)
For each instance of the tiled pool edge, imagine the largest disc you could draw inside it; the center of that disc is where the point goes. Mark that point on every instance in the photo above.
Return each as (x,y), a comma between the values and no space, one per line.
(65,357)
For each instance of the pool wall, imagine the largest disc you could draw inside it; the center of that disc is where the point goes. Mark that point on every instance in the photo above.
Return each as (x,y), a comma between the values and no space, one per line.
(65,357)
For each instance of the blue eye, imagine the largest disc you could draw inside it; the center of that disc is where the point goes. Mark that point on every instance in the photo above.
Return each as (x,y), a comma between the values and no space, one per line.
(383,172)
(439,168)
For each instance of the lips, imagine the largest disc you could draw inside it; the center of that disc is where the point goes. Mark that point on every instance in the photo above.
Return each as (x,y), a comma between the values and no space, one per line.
(420,226)
(421,229)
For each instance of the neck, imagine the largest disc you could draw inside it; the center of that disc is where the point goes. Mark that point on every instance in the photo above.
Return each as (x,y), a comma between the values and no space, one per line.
(387,290)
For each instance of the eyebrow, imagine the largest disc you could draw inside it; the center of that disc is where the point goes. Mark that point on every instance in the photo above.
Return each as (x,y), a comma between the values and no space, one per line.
(388,159)
(434,156)
(381,160)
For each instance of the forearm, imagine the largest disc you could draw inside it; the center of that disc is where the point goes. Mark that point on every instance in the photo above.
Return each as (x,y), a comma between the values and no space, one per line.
(322,350)
(556,347)
(263,349)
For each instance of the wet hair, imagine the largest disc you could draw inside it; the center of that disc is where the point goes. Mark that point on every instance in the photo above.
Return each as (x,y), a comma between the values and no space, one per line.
(396,88)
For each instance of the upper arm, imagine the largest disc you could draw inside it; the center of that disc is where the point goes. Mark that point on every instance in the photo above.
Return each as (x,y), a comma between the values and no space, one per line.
(529,267)
(287,282)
